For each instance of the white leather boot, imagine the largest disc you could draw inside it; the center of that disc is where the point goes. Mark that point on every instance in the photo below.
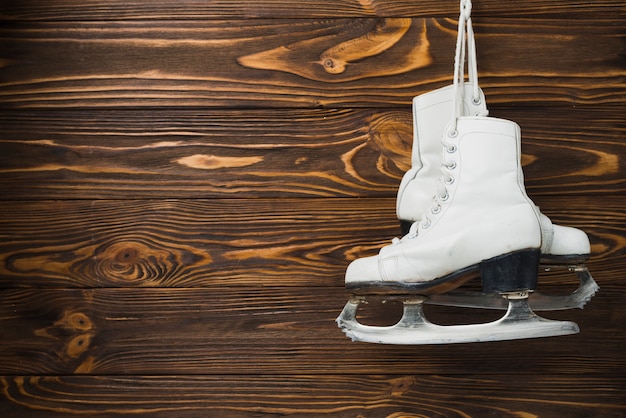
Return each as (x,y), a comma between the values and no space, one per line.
(431,113)
(430,116)
(480,215)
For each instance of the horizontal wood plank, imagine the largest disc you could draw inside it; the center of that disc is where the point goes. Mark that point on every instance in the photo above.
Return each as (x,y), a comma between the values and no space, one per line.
(303,62)
(178,243)
(198,154)
(195,243)
(337,396)
(279,153)
(286,330)
(90,10)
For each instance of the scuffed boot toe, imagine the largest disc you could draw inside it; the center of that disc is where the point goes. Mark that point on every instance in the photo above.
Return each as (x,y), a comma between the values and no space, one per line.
(363,271)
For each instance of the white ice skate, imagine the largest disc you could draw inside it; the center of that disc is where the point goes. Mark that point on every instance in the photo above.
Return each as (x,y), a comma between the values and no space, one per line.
(480,222)
(562,248)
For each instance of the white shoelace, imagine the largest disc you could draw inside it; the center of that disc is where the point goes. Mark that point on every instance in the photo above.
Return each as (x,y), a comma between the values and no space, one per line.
(465,37)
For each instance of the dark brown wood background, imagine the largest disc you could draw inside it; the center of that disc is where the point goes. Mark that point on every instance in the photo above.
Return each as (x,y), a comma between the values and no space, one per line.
(184,183)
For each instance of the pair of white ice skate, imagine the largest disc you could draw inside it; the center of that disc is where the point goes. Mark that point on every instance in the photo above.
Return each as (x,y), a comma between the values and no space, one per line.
(469,215)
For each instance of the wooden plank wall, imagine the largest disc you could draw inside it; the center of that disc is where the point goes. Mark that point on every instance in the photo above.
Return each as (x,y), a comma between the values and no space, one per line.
(184,183)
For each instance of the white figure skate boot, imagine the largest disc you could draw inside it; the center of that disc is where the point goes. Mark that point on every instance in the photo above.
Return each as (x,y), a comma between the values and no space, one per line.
(562,247)
(479,211)
(480,222)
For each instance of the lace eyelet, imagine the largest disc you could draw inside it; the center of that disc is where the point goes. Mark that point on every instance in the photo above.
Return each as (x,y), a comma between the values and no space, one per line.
(476,100)
(444,197)
(426,223)
(435,209)
(451,148)
(448,180)
(453,133)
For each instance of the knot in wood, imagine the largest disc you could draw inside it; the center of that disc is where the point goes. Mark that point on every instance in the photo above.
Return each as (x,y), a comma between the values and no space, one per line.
(75,321)
(401,385)
(391,133)
(131,261)
(127,255)
(78,345)
(333,66)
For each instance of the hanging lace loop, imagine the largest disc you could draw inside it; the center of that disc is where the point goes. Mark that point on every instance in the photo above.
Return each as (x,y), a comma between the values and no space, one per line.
(471,53)
(465,42)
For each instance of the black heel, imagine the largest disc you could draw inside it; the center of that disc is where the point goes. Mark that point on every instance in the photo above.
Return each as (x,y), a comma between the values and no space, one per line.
(512,272)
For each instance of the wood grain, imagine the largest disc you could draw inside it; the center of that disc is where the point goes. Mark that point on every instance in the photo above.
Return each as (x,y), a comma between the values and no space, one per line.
(90,10)
(199,154)
(183,185)
(279,63)
(272,330)
(285,242)
(293,395)
(279,153)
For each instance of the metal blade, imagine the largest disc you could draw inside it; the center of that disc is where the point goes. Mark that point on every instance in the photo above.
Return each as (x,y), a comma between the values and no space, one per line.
(413,328)
(538,302)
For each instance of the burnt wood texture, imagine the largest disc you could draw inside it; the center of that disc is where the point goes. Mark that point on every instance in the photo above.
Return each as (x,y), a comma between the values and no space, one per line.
(184,183)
